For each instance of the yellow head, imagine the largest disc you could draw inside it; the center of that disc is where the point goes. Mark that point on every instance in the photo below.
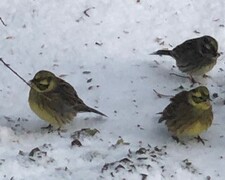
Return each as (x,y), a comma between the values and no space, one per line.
(44,81)
(199,98)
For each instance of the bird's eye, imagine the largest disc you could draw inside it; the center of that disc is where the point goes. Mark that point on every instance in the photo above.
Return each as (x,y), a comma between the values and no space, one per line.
(207,46)
(198,99)
(210,44)
(42,84)
(208,49)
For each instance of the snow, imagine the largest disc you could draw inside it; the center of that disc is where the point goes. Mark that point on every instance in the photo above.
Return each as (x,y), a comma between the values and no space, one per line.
(112,42)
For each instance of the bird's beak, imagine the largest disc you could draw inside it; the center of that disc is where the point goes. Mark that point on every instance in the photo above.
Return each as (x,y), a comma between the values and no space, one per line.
(31,82)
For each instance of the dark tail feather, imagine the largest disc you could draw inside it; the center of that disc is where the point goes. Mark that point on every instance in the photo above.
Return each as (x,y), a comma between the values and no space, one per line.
(89,109)
(162,52)
(161,119)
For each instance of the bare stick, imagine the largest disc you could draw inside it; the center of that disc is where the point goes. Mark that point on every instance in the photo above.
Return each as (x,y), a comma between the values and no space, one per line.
(7,65)
(2,22)
(161,95)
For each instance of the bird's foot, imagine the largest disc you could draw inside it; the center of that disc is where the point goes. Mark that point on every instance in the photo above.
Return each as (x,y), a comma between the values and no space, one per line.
(178,140)
(178,75)
(199,139)
(206,76)
(193,81)
(49,128)
(59,132)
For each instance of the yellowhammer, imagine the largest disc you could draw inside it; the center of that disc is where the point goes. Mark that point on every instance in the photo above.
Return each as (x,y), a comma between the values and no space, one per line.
(189,113)
(54,100)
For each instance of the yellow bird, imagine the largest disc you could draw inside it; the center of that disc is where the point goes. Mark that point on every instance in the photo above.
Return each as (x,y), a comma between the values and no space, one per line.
(54,100)
(189,113)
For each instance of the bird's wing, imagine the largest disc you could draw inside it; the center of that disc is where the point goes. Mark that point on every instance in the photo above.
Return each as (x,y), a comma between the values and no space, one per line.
(187,51)
(177,104)
(64,97)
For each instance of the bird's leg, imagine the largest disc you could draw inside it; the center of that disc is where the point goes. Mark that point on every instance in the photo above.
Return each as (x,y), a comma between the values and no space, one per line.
(199,139)
(188,77)
(59,131)
(178,75)
(206,76)
(178,140)
(193,81)
(49,128)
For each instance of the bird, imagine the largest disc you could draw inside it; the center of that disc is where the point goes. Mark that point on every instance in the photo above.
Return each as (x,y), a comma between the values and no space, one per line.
(195,56)
(55,100)
(188,114)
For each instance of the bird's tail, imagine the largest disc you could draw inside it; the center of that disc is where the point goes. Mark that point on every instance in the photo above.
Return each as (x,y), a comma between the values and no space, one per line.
(161,119)
(89,109)
(162,52)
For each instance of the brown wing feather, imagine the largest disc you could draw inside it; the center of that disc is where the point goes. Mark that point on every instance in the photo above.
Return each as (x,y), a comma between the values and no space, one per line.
(176,105)
(180,115)
(70,98)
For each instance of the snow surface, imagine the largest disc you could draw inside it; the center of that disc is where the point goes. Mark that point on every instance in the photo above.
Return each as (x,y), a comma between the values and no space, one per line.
(104,54)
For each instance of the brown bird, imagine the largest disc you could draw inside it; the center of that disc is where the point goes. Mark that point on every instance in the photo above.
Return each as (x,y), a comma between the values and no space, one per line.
(195,56)
(189,113)
(54,100)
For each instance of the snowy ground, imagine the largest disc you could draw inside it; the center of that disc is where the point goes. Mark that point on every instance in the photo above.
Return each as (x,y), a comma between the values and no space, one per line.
(104,54)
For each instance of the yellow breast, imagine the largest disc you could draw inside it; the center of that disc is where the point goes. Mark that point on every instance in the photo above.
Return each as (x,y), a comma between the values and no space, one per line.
(42,112)
(202,70)
(195,128)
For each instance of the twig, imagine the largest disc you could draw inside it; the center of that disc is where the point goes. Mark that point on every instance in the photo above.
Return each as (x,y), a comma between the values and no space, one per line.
(3,22)
(85,11)
(161,95)
(156,62)
(7,65)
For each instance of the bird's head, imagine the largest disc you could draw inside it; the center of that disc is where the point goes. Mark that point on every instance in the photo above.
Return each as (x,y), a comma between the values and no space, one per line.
(43,81)
(209,46)
(199,98)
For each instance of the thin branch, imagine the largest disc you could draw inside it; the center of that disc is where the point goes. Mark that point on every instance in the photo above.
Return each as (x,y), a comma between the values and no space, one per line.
(3,22)
(161,95)
(7,65)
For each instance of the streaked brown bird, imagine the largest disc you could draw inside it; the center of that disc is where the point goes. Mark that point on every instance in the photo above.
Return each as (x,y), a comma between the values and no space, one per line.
(195,56)
(54,100)
(189,113)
